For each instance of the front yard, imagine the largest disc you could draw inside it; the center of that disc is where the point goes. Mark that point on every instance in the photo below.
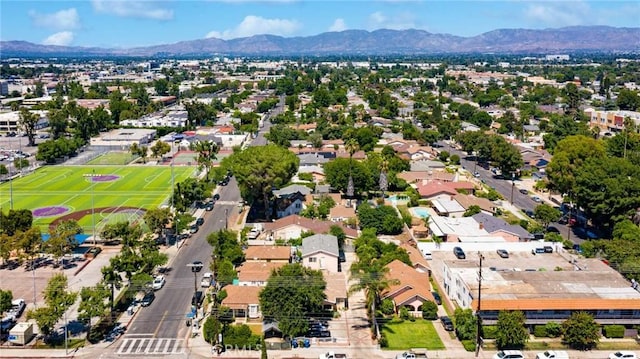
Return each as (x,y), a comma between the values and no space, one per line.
(406,335)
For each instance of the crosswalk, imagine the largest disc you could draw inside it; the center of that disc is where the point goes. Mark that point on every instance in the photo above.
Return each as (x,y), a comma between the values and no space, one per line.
(150,346)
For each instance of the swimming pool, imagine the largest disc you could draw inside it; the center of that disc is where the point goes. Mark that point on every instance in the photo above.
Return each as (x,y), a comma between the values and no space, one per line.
(420,212)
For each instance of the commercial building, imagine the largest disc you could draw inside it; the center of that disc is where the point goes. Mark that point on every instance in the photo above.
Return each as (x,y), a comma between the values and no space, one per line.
(546,286)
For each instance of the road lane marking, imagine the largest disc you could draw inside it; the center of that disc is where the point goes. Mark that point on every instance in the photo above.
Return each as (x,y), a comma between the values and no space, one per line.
(155,333)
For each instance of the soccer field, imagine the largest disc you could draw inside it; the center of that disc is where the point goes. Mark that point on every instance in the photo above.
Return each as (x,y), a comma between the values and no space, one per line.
(113,192)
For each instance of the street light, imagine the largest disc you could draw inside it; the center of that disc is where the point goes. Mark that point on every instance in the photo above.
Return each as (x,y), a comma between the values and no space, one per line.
(513,185)
(93,214)
(195,268)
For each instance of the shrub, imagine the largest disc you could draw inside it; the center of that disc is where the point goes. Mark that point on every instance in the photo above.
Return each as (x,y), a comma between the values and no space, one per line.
(613,331)
(540,331)
(383,340)
(489,331)
(387,307)
(554,330)
(404,313)
(429,310)
(469,345)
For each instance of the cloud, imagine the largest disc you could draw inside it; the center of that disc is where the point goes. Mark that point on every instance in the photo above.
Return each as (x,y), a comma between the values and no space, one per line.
(400,21)
(338,25)
(139,9)
(62,20)
(255,25)
(62,38)
(558,14)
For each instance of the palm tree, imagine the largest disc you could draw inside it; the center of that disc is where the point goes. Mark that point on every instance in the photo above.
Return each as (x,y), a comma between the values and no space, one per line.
(383,182)
(352,147)
(111,277)
(207,151)
(374,280)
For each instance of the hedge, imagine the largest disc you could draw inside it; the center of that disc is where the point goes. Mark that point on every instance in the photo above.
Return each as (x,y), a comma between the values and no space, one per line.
(613,331)
(469,345)
(489,331)
(539,331)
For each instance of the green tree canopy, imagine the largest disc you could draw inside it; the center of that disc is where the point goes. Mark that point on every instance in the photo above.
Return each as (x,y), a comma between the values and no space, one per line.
(581,331)
(261,169)
(568,157)
(293,294)
(511,330)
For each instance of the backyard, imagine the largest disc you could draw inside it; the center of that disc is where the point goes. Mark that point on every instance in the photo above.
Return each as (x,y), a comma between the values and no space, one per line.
(406,335)
(91,195)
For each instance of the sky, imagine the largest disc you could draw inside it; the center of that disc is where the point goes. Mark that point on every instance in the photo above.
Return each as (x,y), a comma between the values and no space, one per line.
(131,23)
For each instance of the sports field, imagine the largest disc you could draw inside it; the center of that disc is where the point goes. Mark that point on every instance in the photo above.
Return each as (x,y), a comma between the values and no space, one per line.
(112,158)
(91,194)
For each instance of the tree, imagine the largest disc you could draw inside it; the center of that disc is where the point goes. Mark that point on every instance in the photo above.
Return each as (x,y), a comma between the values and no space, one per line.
(569,156)
(293,294)
(30,243)
(6,296)
(466,324)
(161,86)
(7,245)
(62,238)
(472,210)
(383,218)
(92,303)
(57,300)
(28,121)
(429,310)
(157,219)
(207,151)
(337,231)
(225,271)
(580,331)
(3,170)
(260,169)
(20,163)
(546,214)
(339,172)
(511,330)
(159,149)
(374,280)
(628,100)
(226,247)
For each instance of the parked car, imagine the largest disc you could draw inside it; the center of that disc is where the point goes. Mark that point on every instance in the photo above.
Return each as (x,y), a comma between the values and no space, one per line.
(447,323)
(17,307)
(459,253)
(207,279)
(158,282)
(437,298)
(194,229)
(623,354)
(197,298)
(503,253)
(553,229)
(553,354)
(523,191)
(216,197)
(209,207)
(530,213)
(196,266)
(536,199)
(147,299)
(200,221)
(508,354)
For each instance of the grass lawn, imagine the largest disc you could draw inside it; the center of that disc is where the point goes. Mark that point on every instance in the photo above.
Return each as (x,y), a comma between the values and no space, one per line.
(407,335)
(112,158)
(81,188)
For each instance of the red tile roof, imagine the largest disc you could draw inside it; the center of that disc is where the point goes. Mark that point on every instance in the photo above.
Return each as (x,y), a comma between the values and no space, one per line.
(239,297)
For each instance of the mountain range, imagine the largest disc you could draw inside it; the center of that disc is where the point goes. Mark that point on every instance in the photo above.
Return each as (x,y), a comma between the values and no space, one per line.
(604,39)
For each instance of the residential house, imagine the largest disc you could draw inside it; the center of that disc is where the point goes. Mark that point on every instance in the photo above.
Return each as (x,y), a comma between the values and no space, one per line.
(451,229)
(412,290)
(341,213)
(256,273)
(291,227)
(336,291)
(320,252)
(498,226)
(447,206)
(429,175)
(467,200)
(278,254)
(417,259)
(426,165)
(244,302)
(431,189)
(290,200)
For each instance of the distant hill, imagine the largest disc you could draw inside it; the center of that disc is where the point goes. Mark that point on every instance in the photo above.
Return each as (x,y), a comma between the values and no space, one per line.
(380,42)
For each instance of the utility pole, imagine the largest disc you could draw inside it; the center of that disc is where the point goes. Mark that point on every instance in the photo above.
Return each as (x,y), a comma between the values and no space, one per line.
(478,320)
(513,185)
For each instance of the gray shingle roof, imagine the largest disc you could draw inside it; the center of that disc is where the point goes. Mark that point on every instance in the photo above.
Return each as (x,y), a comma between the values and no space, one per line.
(492,224)
(320,242)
